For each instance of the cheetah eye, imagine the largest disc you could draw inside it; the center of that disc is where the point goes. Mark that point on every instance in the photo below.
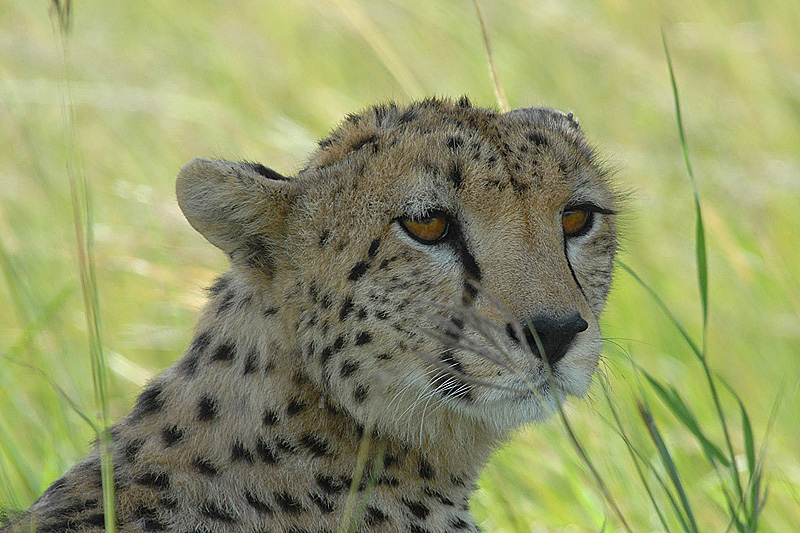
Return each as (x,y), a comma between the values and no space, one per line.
(428,230)
(576,221)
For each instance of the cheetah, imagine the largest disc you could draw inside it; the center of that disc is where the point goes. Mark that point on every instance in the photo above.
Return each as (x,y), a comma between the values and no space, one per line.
(428,282)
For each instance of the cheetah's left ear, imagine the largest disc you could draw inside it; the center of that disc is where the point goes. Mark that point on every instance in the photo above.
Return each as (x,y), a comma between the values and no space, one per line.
(241,208)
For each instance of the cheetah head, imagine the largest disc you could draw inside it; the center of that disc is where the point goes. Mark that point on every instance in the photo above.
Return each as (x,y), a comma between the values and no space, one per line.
(437,265)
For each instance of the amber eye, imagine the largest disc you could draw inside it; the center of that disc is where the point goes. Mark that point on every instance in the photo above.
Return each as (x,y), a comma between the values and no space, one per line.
(576,221)
(428,230)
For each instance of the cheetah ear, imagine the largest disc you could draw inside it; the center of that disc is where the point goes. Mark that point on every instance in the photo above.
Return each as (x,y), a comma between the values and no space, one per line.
(241,208)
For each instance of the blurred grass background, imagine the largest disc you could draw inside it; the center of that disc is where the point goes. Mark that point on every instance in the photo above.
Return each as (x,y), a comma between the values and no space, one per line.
(157,83)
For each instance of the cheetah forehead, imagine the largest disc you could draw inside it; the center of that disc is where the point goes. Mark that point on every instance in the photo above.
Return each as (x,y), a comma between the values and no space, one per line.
(454,143)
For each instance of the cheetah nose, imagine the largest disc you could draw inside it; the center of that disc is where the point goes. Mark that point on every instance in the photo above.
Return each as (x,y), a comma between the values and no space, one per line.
(555,335)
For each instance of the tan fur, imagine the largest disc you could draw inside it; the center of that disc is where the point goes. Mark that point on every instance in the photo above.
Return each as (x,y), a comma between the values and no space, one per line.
(335,329)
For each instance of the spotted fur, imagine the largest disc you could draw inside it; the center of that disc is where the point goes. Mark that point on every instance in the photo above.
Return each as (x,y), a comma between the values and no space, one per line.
(335,329)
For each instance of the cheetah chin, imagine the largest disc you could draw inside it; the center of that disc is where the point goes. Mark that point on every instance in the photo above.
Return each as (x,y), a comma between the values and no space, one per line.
(429,281)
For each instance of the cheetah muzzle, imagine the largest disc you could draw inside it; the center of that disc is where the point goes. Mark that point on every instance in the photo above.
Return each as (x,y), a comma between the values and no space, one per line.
(429,281)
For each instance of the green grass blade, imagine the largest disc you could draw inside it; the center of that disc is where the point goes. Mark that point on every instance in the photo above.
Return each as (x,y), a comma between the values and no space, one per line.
(700,240)
(620,429)
(695,349)
(666,459)
(679,408)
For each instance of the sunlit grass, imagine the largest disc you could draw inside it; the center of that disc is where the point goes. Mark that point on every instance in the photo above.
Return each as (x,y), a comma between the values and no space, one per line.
(157,83)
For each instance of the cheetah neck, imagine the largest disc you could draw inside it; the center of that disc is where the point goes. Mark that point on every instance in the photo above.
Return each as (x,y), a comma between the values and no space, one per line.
(238,414)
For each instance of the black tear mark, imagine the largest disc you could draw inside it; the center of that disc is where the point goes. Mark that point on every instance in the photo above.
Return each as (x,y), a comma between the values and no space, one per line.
(260,169)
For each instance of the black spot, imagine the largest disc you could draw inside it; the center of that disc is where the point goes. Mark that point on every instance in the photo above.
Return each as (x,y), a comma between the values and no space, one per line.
(363,338)
(323,237)
(425,469)
(358,270)
(326,301)
(268,173)
(132,449)
(454,142)
(206,409)
(333,484)
(171,435)
(149,402)
(251,363)
(463,101)
(360,393)
(348,367)
(384,357)
(439,496)
(375,516)
(269,311)
(95,520)
(284,445)
(407,116)
(347,306)
(149,518)
(257,504)
(338,344)
(372,141)
(537,138)
(325,143)
(459,523)
(265,452)
(295,406)
(224,352)
(157,480)
(270,417)
(315,445)
(362,313)
(226,303)
(326,354)
(288,503)
(215,512)
(205,467)
(373,248)
(454,175)
(325,505)
(381,314)
(240,453)
(418,509)
(219,285)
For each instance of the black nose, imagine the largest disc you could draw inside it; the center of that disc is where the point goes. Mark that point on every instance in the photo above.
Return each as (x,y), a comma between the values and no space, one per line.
(555,335)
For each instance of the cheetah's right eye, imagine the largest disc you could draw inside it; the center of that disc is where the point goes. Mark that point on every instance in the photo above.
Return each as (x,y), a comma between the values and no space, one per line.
(428,230)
